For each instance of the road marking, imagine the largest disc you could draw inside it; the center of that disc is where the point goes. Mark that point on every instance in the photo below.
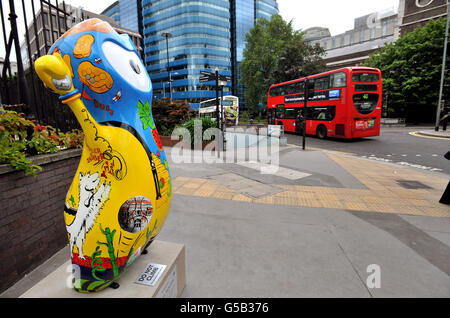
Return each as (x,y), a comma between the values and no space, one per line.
(418,166)
(416,134)
(275,170)
(402,163)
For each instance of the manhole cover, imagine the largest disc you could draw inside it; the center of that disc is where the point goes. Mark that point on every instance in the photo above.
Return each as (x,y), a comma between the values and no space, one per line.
(410,184)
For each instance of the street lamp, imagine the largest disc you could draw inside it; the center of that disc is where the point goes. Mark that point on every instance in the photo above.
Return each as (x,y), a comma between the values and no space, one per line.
(436,128)
(167,35)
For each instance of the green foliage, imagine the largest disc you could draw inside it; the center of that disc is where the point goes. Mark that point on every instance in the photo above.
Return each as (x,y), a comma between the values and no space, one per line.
(12,151)
(168,115)
(20,138)
(298,59)
(411,69)
(275,52)
(244,117)
(206,123)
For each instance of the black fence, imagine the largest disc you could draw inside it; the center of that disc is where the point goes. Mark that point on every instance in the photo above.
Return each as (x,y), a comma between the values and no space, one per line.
(30,28)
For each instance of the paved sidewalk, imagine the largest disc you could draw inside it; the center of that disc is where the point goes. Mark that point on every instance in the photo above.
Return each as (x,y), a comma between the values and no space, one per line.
(311,229)
(384,188)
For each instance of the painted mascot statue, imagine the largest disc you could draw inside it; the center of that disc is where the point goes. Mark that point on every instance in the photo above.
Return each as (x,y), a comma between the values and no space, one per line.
(121,192)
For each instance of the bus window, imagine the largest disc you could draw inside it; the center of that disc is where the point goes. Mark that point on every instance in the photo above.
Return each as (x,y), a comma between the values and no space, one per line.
(365,77)
(321,83)
(365,103)
(299,87)
(290,113)
(280,111)
(321,113)
(275,91)
(338,80)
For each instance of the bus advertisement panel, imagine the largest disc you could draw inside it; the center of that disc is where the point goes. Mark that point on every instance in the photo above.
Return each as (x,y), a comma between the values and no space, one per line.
(230,109)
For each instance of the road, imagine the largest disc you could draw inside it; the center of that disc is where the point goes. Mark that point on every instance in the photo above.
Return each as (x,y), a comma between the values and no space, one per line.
(394,145)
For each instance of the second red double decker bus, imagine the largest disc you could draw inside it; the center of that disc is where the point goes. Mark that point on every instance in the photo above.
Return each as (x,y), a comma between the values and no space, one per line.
(346,104)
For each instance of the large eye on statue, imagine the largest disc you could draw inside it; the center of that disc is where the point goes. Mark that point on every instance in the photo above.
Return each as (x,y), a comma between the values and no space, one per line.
(127,64)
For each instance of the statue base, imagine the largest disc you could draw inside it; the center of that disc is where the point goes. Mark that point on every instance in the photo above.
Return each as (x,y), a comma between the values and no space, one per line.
(161,273)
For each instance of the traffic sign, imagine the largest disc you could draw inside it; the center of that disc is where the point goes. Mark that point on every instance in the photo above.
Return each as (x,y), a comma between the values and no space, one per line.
(207,73)
(206,79)
(208,76)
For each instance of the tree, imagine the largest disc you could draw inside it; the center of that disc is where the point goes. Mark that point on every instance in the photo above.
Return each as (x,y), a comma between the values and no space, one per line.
(298,59)
(274,52)
(411,70)
(167,115)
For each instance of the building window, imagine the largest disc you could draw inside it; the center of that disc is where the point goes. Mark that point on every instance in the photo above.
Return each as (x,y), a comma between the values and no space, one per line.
(372,33)
(45,18)
(384,28)
(423,3)
(361,36)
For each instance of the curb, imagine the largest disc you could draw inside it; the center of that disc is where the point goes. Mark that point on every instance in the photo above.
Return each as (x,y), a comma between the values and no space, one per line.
(434,134)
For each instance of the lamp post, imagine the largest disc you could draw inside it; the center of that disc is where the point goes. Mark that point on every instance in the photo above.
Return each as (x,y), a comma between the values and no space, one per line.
(167,35)
(444,59)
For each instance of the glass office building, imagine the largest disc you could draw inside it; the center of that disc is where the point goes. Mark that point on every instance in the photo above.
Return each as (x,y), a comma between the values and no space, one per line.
(200,41)
(127,14)
(205,35)
(265,8)
(130,14)
(113,11)
(244,13)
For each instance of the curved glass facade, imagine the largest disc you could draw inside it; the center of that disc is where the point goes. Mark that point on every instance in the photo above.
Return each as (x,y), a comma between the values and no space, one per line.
(205,35)
(265,8)
(129,14)
(200,41)
(113,11)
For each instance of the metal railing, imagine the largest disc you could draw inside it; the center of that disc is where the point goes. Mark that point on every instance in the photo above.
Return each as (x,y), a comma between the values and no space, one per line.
(29,28)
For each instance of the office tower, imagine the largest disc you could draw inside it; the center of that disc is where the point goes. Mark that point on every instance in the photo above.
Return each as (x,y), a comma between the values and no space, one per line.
(200,36)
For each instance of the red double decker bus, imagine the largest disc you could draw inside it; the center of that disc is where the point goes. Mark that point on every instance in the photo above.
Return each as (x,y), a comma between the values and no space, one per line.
(346,104)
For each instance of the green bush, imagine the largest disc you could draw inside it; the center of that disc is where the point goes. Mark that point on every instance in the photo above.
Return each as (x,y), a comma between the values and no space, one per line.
(206,123)
(167,115)
(20,138)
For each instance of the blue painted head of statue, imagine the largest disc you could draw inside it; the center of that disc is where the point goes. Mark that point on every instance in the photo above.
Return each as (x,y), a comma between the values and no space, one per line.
(108,72)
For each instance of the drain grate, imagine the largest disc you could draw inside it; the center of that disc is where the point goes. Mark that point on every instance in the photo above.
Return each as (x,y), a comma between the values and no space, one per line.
(412,184)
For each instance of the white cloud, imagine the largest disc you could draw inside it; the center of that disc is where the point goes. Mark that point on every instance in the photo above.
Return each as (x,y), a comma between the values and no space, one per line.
(337,15)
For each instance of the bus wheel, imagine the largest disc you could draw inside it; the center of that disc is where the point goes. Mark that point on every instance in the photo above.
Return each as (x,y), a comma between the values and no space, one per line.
(321,132)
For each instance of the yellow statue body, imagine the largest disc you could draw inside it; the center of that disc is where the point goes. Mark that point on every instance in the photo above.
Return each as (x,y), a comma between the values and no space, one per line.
(121,192)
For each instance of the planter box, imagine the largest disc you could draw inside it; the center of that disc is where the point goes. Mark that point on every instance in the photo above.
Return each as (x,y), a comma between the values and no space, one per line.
(32,226)
(168,142)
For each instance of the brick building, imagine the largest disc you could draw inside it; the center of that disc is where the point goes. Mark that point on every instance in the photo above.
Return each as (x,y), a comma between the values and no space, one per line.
(414,13)
(50,25)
